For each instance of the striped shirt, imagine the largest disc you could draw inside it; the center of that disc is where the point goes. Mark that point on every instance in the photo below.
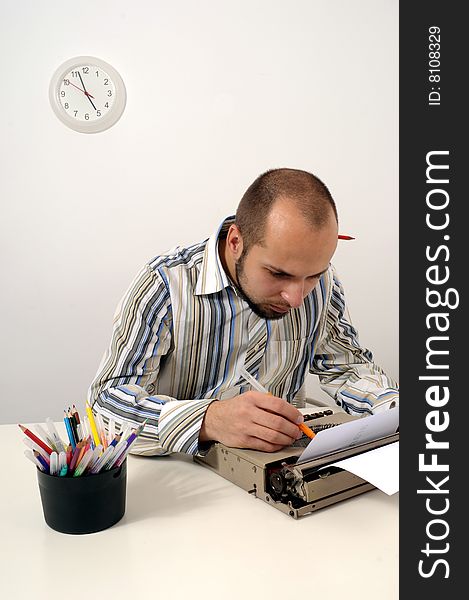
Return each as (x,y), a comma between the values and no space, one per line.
(181,335)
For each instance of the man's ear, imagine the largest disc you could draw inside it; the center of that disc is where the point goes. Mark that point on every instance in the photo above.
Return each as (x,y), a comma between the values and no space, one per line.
(234,241)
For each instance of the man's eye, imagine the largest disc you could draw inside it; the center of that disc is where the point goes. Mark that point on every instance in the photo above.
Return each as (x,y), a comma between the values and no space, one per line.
(274,274)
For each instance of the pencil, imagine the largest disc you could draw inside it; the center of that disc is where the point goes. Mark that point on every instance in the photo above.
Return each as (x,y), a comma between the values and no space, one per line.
(68,427)
(306,430)
(78,422)
(94,431)
(73,424)
(255,384)
(38,441)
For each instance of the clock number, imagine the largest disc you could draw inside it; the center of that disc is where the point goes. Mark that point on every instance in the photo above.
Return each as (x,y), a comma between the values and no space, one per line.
(86,70)
(75,74)
(76,112)
(97,73)
(62,93)
(98,113)
(87,117)
(66,81)
(106,82)
(66,106)
(109,93)
(106,105)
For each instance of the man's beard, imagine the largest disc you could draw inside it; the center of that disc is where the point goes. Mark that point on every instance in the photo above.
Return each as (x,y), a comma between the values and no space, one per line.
(256,308)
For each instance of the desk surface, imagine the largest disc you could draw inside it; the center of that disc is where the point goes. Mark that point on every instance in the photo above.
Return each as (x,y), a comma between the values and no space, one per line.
(189,533)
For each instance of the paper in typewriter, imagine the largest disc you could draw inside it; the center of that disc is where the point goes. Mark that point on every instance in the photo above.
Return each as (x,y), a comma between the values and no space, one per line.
(352,433)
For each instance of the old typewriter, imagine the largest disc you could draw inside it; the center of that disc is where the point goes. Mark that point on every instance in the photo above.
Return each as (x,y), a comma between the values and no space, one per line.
(292,486)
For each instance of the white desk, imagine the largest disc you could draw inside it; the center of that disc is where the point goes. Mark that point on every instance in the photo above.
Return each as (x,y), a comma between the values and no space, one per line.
(188,533)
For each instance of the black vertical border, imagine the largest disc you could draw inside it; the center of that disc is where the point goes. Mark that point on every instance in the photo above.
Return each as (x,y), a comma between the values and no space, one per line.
(425,128)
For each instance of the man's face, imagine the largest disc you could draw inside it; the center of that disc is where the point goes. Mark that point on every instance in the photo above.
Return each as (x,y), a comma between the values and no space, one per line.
(276,276)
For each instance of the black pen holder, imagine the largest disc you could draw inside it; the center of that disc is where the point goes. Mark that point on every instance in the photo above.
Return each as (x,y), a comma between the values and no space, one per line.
(84,504)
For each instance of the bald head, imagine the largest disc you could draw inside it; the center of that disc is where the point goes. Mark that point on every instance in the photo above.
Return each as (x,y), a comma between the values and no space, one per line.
(306,194)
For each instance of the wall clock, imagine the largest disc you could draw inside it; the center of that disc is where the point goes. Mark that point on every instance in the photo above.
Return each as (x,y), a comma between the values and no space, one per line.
(87,94)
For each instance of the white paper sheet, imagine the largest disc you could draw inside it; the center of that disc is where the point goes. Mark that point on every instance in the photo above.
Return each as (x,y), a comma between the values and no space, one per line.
(352,433)
(379,467)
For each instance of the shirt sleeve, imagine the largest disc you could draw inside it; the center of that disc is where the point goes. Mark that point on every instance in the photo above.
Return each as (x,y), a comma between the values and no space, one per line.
(346,369)
(123,386)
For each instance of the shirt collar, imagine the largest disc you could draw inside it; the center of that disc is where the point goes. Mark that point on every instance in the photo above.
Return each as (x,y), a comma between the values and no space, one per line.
(212,277)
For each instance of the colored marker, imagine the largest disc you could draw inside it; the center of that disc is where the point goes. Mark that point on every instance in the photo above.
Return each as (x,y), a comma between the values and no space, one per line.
(103,459)
(63,468)
(75,455)
(55,435)
(54,464)
(78,422)
(345,237)
(83,463)
(45,436)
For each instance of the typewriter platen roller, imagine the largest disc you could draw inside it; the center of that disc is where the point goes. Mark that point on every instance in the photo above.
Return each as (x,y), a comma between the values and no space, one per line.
(280,480)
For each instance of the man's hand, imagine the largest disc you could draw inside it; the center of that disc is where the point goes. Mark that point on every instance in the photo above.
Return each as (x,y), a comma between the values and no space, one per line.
(252,420)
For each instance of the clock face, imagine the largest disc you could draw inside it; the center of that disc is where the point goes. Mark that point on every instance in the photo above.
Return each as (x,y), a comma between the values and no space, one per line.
(87,94)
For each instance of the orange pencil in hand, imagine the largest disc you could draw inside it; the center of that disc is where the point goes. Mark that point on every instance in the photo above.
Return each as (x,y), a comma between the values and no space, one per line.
(306,430)
(260,388)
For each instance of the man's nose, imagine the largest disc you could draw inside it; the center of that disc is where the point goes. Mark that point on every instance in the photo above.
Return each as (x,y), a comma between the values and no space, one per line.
(294,294)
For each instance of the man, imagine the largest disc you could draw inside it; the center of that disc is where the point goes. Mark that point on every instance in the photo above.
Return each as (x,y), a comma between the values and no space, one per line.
(260,294)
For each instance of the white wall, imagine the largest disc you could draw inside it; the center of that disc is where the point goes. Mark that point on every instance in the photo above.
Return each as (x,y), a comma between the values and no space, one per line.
(218,92)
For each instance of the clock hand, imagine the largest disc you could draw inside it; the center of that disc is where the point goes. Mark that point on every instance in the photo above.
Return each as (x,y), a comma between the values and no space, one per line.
(79,88)
(86,93)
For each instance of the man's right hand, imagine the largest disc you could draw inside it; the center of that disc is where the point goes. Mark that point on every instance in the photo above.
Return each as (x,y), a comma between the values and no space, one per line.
(252,420)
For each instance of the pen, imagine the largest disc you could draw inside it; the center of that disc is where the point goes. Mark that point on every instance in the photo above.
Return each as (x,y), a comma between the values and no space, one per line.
(38,441)
(94,431)
(345,237)
(260,388)
(55,435)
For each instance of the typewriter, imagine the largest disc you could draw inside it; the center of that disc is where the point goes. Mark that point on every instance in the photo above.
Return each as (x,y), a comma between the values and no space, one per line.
(296,487)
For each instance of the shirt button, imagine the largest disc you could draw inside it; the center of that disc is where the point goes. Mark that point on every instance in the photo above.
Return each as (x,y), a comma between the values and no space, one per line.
(151,388)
